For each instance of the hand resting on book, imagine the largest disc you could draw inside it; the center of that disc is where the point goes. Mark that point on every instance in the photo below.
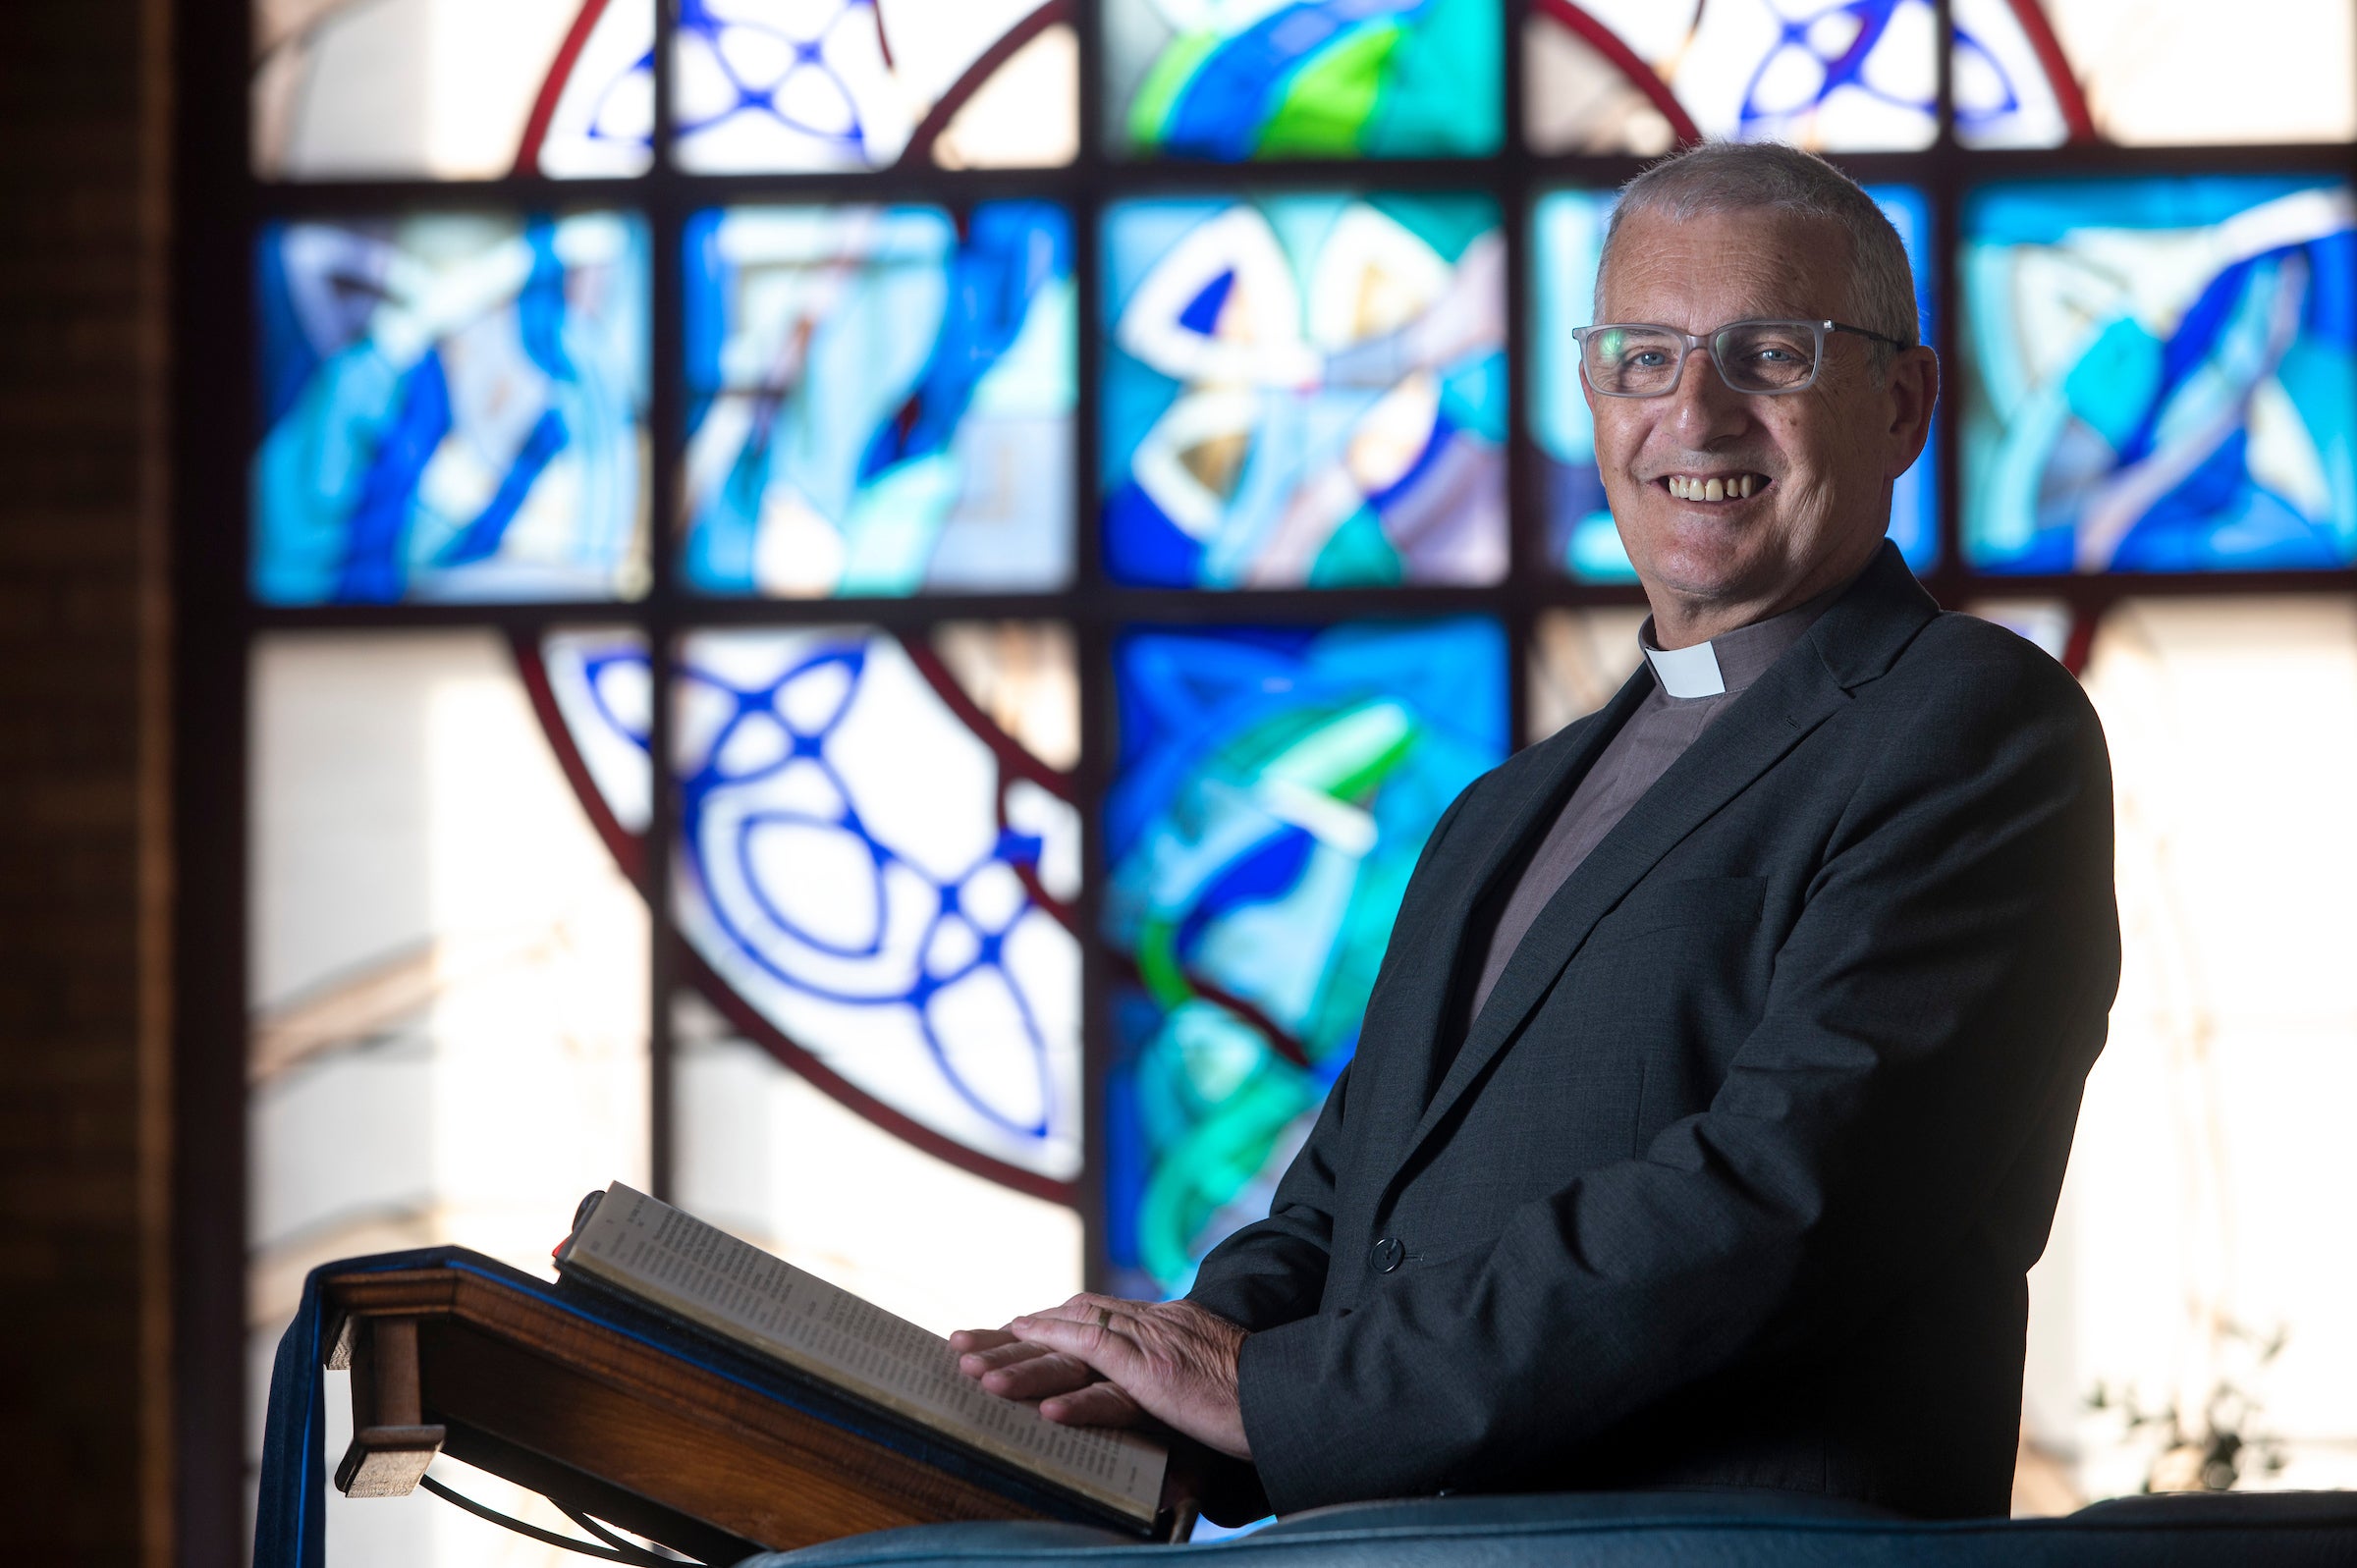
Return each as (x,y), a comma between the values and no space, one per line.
(1100,1361)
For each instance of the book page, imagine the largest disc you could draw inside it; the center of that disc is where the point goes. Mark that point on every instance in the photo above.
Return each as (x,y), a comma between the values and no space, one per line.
(653,1251)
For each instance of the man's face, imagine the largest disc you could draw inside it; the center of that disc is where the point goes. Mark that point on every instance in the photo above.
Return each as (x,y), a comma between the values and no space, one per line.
(1819,463)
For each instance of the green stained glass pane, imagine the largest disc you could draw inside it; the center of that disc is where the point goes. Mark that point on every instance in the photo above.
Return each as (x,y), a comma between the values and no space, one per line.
(1273,791)
(1231,80)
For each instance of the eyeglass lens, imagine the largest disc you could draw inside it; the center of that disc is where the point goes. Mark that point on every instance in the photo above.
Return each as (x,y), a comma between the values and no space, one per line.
(1752,356)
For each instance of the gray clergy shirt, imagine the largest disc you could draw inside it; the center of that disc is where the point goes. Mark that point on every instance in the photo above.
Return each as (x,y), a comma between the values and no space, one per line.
(1691,687)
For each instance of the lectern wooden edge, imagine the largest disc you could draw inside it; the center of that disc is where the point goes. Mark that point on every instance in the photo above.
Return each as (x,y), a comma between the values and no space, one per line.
(710,1455)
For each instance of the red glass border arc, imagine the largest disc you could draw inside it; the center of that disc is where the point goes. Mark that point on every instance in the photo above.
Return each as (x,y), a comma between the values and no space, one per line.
(552,87)
(2057,65)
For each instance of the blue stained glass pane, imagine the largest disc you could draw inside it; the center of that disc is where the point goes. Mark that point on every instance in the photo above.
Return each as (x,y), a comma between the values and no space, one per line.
(1567,239)
(1304,390)
(2162,375)
(1319,78)
(880,399)
(1273,791)
(454,408)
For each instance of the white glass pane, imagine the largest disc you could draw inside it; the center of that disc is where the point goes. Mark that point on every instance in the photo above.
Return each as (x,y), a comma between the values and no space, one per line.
(803,84)
(2173,74)
(1638,75)
(2212,1164)
(767,1157)
(449,985)
(450,89)
(1578,658)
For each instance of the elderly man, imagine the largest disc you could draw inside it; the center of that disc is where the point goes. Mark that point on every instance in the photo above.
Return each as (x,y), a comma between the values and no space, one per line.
(1715,1092)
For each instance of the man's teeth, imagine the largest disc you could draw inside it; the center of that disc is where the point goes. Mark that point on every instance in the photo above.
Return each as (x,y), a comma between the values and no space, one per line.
(1736,488)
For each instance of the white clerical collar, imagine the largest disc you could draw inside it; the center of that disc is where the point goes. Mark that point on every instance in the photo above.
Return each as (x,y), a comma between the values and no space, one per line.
(1685,672)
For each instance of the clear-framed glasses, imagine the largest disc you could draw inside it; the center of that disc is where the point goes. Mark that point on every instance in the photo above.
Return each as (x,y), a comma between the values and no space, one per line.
(1765,358)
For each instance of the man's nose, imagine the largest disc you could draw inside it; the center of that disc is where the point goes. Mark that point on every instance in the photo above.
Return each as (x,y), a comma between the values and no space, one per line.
(1704,409)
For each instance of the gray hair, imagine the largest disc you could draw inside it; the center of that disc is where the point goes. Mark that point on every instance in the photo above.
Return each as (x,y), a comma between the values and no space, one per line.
(1724,177)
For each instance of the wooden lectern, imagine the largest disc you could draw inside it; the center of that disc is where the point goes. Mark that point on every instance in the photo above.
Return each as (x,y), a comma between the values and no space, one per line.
(603,1414)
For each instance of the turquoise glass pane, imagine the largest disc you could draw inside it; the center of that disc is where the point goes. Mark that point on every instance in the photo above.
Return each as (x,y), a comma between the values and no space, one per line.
(1304,390)
(1313,79)
(1273,791)
(454,408)
(1568,238)
(879,399)
(2161,375)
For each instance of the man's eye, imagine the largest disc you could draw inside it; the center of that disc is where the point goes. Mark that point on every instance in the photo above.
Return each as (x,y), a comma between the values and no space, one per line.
(1644,358)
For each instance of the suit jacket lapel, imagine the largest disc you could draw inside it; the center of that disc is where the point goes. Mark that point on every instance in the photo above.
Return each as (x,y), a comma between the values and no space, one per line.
(1411,996)
(1856,639)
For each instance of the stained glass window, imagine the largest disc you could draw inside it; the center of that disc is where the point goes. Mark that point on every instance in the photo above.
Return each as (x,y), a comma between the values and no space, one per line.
(1273,791)
(2162,374)
(453,407)
(1304,390)
(385,88)
(880,399)
(2040,73)
(493,473)
(1228,81)
(1639,75)
(793,84)
(1567,229)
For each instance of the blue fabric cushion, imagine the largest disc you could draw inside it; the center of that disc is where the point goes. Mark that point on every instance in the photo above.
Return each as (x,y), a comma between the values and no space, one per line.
(1666,1530)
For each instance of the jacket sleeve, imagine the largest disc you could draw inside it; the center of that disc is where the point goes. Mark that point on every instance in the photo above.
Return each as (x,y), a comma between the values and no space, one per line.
(1273,1271)
(1947,976)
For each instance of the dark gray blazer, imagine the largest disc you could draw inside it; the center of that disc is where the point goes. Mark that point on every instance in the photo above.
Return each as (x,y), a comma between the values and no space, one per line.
(1734,1180)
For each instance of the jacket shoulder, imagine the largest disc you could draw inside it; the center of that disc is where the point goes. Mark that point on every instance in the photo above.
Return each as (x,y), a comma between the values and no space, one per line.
(1961,668)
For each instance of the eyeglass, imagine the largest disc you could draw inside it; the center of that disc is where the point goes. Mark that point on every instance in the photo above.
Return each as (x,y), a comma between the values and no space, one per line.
(1622,360)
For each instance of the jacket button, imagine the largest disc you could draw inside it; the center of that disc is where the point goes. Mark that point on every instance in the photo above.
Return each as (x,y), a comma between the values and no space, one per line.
(1387,1253)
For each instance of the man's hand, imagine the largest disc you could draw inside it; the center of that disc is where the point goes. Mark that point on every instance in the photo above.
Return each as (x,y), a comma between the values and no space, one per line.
(1099,1360)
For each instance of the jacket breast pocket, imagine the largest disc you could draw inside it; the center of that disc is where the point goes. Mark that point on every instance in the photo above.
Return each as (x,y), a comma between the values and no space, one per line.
(1655,907)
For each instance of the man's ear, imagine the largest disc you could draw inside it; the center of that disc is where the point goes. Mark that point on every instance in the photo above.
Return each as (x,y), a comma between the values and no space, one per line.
(1913,386)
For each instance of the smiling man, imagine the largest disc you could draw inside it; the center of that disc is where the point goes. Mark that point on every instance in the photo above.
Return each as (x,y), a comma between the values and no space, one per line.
(1715,1094)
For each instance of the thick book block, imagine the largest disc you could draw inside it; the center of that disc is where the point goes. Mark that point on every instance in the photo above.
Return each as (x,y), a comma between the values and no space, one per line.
(632,1417)
(624,1240)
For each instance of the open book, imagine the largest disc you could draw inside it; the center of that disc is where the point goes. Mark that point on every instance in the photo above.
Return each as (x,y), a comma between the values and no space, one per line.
(627,1242)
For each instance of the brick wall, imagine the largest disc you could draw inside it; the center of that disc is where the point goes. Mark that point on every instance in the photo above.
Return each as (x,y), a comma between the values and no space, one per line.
(82,1114)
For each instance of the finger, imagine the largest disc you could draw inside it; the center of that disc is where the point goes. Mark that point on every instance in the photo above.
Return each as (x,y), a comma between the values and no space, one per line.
(974,1363)
(965,1339)
(1103,1345)
(1100,1404)
(1041,1377)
